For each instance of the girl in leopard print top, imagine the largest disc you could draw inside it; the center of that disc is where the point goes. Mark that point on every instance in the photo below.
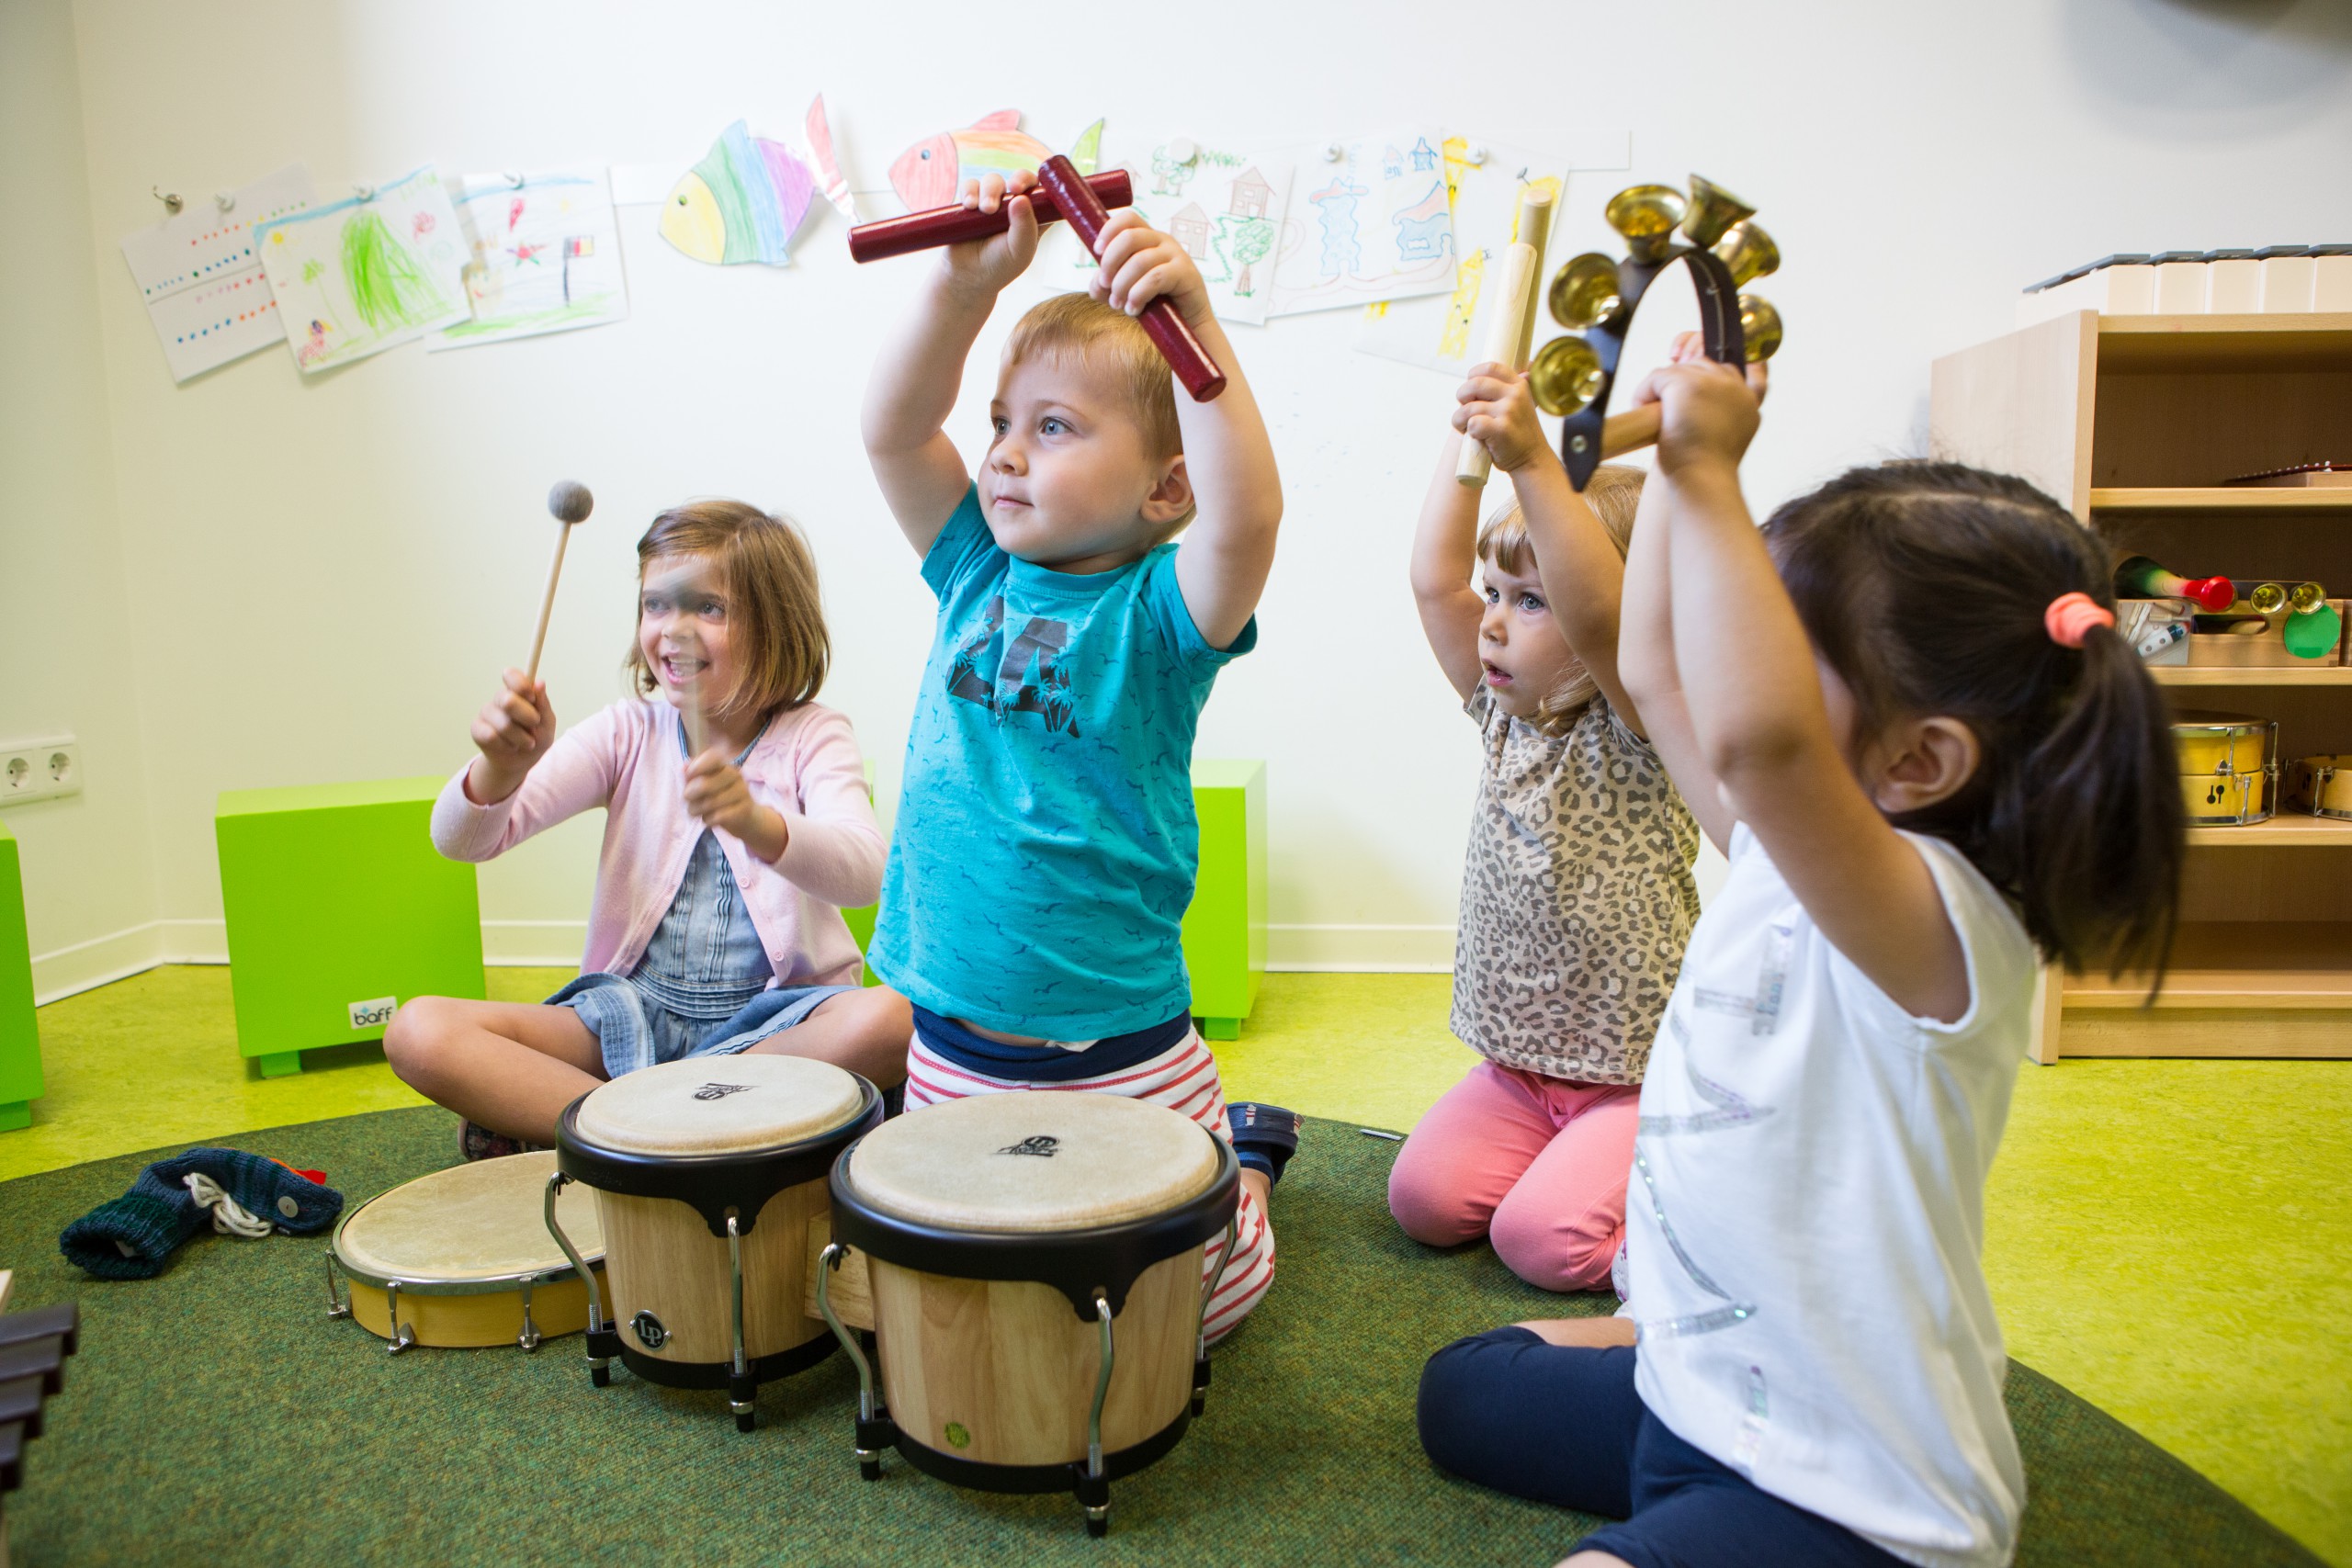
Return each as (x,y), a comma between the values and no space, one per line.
(1577,895)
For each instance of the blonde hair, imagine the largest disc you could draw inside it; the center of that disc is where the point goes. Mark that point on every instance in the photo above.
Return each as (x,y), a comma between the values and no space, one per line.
(1614,493)
(1083,326)
(774,611)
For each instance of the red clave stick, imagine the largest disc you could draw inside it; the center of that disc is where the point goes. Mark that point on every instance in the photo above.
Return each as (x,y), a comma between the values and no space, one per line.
(1058,178)
(952,225)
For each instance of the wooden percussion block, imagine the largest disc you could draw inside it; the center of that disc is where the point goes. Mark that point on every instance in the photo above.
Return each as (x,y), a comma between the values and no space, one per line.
(20,1080)
(339,910)
(1001,1372)
(1225,929)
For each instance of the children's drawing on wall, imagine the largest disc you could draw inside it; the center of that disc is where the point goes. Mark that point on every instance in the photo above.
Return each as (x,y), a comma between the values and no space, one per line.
(1223,205)
(747,197)
(205,290)
(356,277)
(931,171)
(542,255)
(1370,220)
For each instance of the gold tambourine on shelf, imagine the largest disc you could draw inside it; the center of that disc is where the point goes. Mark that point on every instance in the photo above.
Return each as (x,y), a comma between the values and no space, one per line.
(1594,296)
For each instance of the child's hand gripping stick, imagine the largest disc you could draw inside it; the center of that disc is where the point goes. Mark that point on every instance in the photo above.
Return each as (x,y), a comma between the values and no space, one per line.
(953,225)
(1507,331)
(571,503)
(1059,179)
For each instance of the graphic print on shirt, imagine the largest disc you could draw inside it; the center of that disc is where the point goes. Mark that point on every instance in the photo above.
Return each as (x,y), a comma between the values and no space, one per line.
(1730,1111)
(1027,676)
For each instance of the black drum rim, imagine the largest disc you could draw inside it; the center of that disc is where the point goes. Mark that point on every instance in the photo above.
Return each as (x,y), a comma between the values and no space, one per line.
(776,1364)
(1079,1263)
(739,1181)
(1032,1479)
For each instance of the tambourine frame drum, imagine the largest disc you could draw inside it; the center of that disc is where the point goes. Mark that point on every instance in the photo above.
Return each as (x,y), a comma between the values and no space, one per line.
(1118,1298)
(2321,786)
(448,1303)
(2229,768)
(706,1254)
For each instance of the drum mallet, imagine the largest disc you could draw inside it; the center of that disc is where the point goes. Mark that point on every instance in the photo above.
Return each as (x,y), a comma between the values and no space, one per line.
(570,503)
(1509,330)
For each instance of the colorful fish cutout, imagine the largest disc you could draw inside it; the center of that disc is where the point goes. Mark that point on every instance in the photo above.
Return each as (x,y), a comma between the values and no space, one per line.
(931,171)
(745,200)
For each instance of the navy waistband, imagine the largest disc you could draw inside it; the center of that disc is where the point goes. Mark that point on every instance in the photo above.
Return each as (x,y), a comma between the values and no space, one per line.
(1046,1064)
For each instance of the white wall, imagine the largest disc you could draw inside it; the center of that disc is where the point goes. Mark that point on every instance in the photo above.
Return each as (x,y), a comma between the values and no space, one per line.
(64,627)
(325,576)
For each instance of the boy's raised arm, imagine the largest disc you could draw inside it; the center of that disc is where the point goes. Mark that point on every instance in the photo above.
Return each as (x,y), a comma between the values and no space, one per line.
(1228,461)
(921,370)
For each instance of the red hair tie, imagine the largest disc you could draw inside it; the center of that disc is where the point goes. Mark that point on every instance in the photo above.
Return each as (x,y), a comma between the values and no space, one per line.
(2071,615)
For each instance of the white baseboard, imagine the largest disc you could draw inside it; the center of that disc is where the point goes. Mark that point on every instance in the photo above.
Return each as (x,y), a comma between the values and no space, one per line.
(555,944)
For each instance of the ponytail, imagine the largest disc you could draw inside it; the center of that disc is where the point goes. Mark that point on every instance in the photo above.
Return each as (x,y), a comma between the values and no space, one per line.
(1927,587)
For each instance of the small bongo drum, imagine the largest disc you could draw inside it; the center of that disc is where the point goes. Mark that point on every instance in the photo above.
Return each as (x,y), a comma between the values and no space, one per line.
(462,1257)
(1034,1275)
(707,1172)
(2321,785)
(2229,767)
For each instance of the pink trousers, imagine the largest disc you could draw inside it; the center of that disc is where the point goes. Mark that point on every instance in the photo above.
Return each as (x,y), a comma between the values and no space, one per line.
(1536,1165)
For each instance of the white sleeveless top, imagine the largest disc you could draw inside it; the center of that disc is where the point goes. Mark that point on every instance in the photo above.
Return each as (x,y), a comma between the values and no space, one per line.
(1807,1219)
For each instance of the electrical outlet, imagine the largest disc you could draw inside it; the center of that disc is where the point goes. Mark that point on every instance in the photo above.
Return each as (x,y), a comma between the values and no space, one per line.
(39,769)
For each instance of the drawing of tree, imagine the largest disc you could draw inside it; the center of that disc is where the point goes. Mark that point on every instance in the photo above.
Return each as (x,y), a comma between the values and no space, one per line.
(1168,176)
(1241,243)
(388,288)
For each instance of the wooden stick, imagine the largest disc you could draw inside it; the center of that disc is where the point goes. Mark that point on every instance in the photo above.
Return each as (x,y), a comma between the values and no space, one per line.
(1198,375)
(952,225)
(1510,329)
(569,502)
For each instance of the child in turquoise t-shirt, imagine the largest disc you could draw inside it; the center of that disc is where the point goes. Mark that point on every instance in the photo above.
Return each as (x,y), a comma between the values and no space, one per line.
(1046,847)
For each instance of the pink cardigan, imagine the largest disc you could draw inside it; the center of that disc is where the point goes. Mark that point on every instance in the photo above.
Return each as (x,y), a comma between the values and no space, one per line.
(627,760)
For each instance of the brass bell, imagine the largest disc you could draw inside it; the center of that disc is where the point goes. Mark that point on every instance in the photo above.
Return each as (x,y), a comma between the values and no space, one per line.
(2306,597)
(2267,598)
(1712,210)
(1749,251)
(1760,326)
(1646,216)
(1565,377)
(1584,293)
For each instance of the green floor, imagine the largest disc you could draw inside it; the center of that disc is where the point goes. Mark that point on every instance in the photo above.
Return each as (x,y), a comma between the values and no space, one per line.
(2168,1239)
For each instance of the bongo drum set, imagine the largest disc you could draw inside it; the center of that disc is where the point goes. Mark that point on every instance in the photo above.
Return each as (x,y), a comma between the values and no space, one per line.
(1033,1285)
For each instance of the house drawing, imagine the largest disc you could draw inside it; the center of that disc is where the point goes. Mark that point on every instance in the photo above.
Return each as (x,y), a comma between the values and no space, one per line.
(1252,193)
(1190,229)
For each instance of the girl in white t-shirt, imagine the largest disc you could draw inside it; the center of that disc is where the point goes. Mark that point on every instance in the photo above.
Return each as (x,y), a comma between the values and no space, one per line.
(1903,710)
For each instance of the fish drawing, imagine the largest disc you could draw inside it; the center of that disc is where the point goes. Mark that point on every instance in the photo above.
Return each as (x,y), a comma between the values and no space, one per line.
(931,171)
(745,200)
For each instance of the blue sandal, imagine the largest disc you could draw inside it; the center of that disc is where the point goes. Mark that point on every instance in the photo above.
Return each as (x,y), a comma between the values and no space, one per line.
(1264,1137)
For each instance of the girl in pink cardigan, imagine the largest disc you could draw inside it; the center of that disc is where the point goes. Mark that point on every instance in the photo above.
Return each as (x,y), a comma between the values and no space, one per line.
(717,924)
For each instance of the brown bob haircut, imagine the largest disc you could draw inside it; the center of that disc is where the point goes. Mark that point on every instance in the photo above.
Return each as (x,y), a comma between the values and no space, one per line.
(774,608)
(1614,493)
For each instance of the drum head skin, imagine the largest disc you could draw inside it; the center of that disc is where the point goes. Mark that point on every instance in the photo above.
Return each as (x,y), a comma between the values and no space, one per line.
(717,1105)
(1033,1161)
(483,1221)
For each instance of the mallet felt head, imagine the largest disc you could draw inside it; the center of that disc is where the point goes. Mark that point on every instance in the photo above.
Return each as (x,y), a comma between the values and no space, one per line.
(570,501)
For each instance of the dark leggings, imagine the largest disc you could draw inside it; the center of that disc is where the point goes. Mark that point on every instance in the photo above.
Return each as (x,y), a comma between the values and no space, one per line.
(1563,1424)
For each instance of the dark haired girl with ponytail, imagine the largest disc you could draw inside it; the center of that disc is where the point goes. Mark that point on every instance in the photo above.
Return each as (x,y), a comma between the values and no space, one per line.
(1903,709)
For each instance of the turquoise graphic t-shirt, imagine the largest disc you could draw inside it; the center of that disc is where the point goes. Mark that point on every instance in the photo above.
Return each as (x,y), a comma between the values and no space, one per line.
(1046,845)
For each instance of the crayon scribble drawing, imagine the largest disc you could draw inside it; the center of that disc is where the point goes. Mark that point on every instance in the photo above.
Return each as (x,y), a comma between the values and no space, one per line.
(931,171)
(1224,206)
(542,255)
(1449,333)
(1373,222)
(746,199)
(355,277)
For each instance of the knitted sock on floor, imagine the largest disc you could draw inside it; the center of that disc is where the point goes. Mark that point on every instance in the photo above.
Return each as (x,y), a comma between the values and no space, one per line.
(133,1237)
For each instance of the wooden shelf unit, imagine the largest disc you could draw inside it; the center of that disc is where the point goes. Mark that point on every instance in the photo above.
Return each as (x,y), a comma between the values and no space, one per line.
(2135,421)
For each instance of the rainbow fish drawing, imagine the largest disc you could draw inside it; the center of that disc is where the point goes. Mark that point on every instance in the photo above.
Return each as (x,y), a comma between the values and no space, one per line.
(745,200)
(932,171)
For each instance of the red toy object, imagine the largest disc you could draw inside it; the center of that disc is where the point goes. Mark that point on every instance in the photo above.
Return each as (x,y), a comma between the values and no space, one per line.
(1058,178)
(2139,578)
(952,225)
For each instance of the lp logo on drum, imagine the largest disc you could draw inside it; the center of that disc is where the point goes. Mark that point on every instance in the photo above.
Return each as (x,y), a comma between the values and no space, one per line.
(719,1090)
(1044,1145)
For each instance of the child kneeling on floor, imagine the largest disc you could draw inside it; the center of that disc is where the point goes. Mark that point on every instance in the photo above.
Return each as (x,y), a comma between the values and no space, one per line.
(716,925)
(1576,897)
(1046,846)
(1905,702)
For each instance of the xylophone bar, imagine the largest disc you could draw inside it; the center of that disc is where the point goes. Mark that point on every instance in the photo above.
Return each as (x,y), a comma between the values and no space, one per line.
(952,225)
(43,1358)
(63,1319)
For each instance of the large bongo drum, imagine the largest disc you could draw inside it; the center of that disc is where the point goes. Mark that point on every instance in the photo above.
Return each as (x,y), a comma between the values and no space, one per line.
(462,1257)
(707,1172)
(1033,1265)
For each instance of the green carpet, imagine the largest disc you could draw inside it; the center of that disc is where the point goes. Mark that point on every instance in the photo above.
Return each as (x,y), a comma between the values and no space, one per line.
(216,1413)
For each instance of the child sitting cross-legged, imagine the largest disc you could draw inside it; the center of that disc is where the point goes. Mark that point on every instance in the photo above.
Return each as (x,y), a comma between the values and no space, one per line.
(1046,846)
